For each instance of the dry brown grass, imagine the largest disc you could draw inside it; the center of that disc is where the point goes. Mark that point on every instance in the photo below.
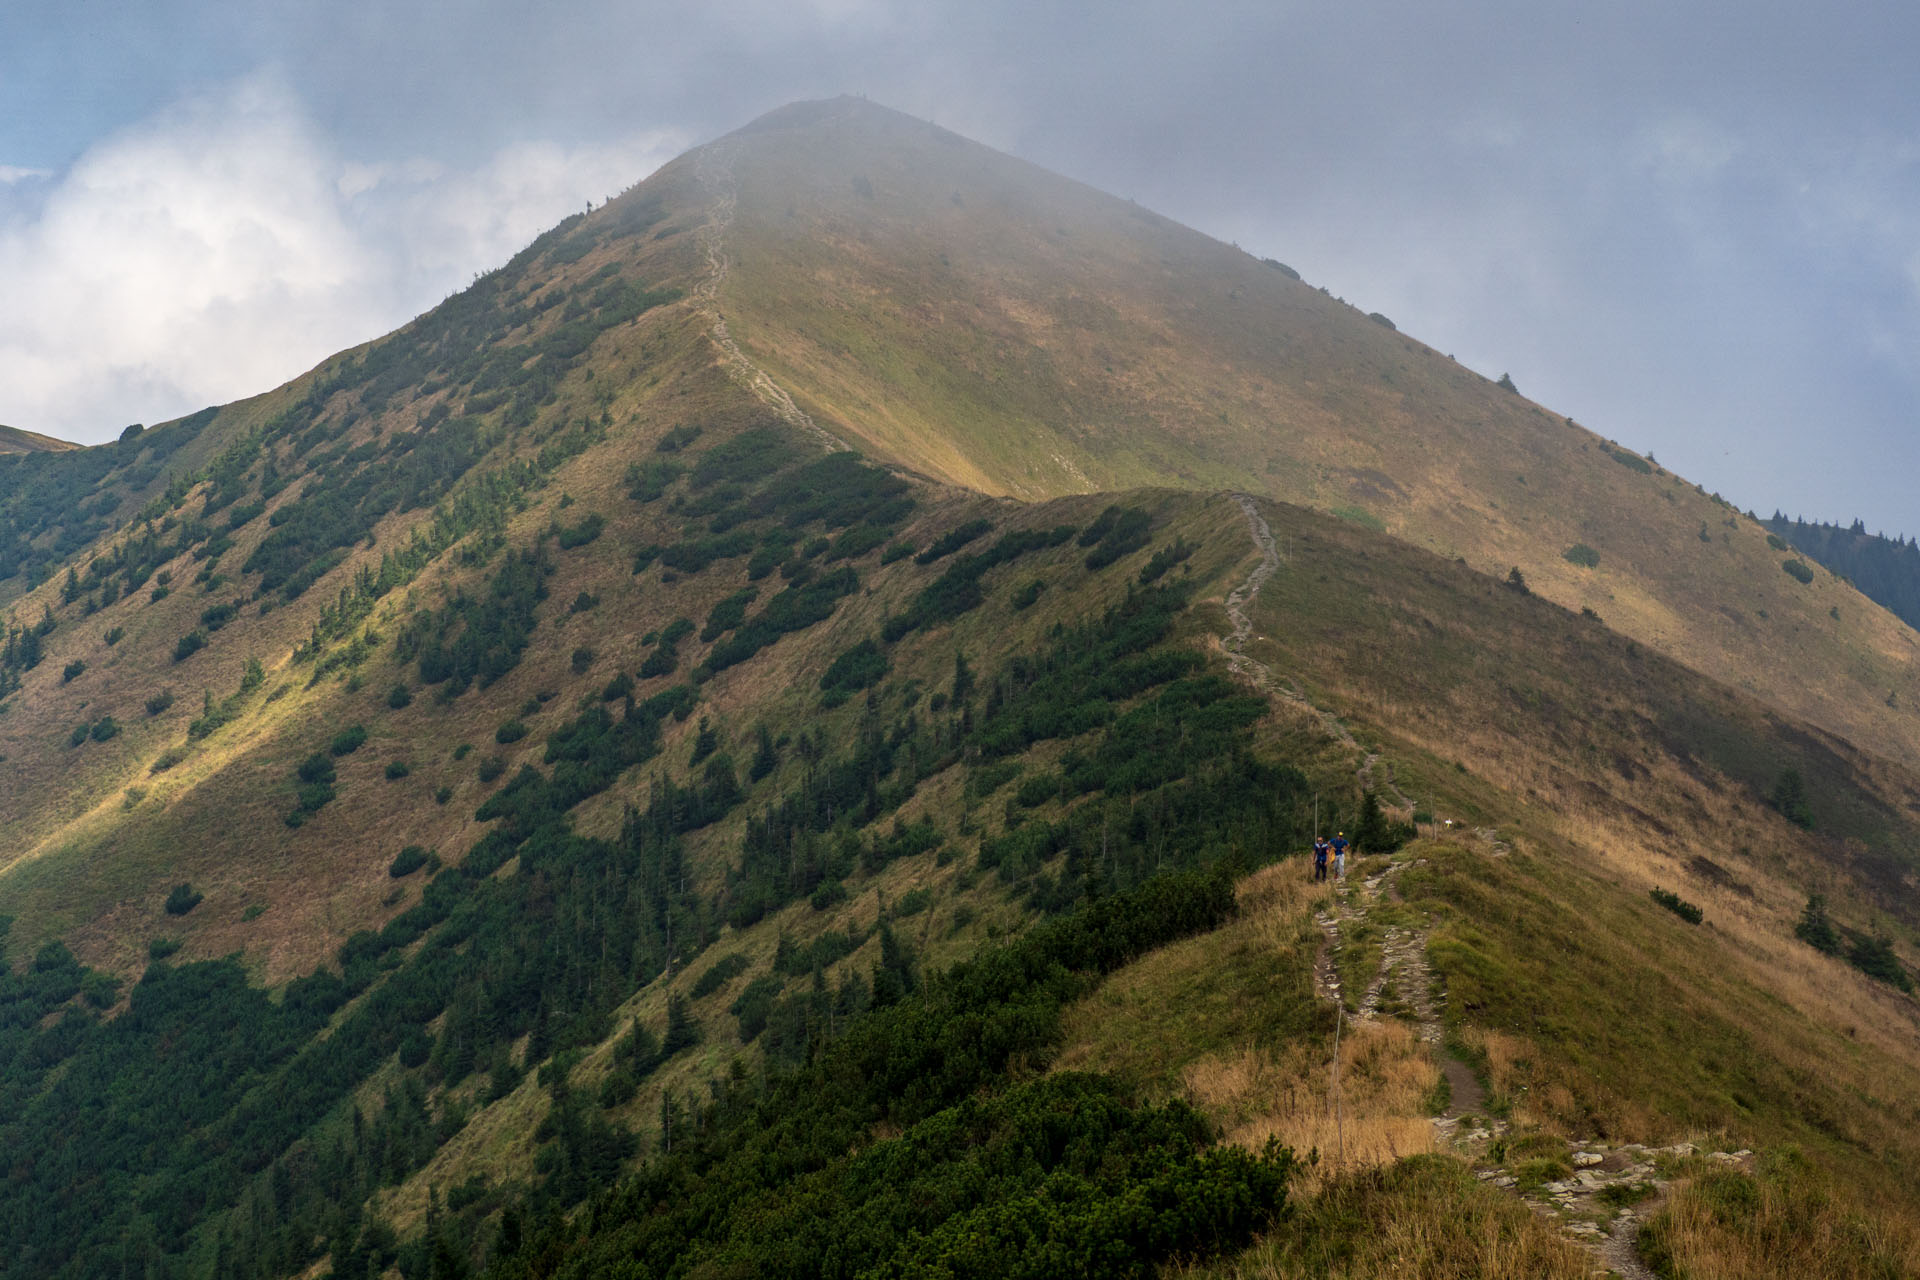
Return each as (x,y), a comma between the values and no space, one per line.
(1386,1075)
(1229,1021)
(1786,1223)
(1420,1219)
(984,322)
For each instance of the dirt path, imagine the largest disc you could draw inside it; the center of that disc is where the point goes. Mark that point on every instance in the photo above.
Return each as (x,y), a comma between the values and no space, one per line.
(715,170)
(1595,1205)
(1251,669)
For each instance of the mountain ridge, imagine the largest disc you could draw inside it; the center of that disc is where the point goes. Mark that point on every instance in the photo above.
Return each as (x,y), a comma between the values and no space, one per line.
(17,440)
(1293,394)
(626,713)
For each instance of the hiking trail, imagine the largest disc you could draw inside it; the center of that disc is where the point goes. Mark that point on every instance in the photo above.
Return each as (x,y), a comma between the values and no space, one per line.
(714,168)
(1256,672)
(1611,1189)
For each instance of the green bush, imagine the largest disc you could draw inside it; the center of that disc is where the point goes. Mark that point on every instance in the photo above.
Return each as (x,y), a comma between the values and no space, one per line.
(860,667)
(1679,906)
(647,481)
(618,1088)
(1164,559)
(491,768)
(189,644)
(407,861)
(114,636)
(511,731)
(80,733)
(1790,798)
(399,697)
(1816,928)
(1628,459)
(159,702)
(719,974)
(1114,533)
(728,614)
(579,535)
(954,539)
(1798,570)
(1874,957)
(398,769)
(415,1048)
(182,900)
(1037,790)
(72,671)
(316,769)
(104,728)
(161,948)
(1581,554)
(348,740)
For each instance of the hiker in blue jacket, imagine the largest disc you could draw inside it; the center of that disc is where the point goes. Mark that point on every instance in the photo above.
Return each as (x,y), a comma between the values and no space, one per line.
(1320,850)
(1340,855)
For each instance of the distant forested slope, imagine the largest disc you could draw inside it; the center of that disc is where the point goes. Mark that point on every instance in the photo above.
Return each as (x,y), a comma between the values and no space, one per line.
(1887,570)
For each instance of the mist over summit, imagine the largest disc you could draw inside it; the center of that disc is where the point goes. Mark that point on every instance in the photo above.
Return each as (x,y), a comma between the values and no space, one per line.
(783,731)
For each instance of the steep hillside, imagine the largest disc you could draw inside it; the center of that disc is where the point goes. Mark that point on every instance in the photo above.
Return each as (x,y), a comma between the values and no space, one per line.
(1886,570)
(1005,329)
(14,440)
(770,736)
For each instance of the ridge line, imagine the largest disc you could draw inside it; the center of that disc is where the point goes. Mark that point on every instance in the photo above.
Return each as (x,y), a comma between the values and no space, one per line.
(714,169)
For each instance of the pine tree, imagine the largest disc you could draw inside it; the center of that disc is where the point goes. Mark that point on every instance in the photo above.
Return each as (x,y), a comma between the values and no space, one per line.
(766,758)
(1790,798)
(682,1031)
(1816,929)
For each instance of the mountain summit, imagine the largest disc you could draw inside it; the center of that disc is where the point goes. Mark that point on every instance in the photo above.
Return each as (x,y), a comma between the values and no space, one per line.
(991,325)
(779,733)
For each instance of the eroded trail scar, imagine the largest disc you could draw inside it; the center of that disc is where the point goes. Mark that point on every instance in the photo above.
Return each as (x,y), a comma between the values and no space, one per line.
(715,170)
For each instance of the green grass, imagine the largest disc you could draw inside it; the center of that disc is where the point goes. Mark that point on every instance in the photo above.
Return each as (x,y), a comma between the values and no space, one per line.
(1210,995)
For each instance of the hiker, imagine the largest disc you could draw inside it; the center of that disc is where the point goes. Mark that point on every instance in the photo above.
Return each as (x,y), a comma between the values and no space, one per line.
(1320,849)
(1340,855)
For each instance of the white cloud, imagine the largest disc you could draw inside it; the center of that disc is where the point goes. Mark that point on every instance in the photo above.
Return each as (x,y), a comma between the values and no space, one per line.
(224,246)
(12,173)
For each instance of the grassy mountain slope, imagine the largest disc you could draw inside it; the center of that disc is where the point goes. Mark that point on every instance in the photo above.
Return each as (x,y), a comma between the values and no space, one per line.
(15,440)
(1005,329)
(1886,570)
(578,765)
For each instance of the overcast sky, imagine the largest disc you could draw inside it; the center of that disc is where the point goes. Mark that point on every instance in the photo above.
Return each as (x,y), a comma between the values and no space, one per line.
(1694,227)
